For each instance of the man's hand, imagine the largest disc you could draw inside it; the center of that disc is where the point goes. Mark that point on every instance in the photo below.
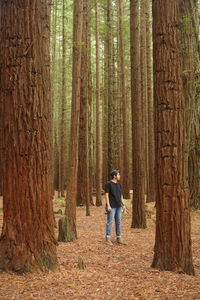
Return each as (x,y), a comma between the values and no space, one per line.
(109,208)
(124,210)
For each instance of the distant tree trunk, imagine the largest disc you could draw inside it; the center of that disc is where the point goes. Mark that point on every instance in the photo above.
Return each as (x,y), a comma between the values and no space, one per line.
(27,241)
(125,175)
(172,249)
(90,104)
(63,126)
(105,110)
(151,138)
(53,55)
(67,225)
(191,78)
(144,112)
(98,128)
(109,85)
(83,164)
(138,217)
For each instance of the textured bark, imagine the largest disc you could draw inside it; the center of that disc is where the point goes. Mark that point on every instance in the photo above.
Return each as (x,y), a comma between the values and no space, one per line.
(69,232)
(1,143)
(98,128)
(138,217)
(83,164)
(105,111)
(144,101)
(151,138)
(110,86)
(53,67)
(90,106)
(125,175)
(27,242)
(172,249)
(63,126)
(191,78)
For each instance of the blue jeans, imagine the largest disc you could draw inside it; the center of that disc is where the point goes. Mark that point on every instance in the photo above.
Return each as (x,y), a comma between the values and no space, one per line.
(114,213)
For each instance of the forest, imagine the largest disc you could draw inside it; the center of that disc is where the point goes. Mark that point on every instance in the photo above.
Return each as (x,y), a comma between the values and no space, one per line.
(88,87)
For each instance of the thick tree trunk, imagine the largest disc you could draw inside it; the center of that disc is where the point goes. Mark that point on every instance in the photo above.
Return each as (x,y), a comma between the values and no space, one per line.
(98,128)
(172,249)
(138,217)
(67,232)
(27,242)
(126,173)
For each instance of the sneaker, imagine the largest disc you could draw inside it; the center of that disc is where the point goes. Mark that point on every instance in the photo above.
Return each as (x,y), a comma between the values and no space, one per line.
(119,241)
(108,241)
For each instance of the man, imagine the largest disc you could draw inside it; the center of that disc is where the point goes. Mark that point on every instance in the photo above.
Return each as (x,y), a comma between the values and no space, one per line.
(114,205)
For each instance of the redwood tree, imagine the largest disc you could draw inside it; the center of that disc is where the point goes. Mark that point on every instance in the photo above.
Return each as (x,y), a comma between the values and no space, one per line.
(172,249)
(27,241)
(67,224)
(191,78)
(126,172)
(98,128)
(138,216)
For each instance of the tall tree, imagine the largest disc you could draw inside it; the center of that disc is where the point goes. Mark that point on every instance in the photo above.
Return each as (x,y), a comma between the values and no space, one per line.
(191,78)
(98,128)
(126,174)
(144,102)
(27,241)
(150,129)
(83,164)
(63,127)
(138,216)
(67,224)
(172,249)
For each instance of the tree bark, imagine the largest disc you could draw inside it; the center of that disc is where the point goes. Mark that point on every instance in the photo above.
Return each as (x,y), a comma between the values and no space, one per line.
(126,174)
(67,228)
(27,241)
(138,216)
(172,249)
(83,165)
(150,129)
(63,126)
(191,78)
(98,128)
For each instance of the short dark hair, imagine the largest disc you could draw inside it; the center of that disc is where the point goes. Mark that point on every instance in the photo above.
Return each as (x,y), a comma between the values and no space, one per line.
(114,173)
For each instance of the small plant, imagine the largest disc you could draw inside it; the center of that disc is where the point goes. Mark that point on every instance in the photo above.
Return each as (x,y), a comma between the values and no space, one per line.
(59,202)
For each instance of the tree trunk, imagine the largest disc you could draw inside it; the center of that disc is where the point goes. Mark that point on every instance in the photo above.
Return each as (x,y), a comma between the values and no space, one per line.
(83,164)
(27,242)
(125,175)
(172,249)
(98,128)
(109,85)
(63,126)
(191,78)
(144,101)
(67,228)
(138,217)
(151,138)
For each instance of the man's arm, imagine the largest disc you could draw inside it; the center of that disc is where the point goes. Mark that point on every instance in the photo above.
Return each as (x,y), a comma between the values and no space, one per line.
(108,202)
(123,205)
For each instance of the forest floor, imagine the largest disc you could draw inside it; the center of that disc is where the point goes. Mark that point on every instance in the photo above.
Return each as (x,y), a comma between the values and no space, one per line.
(118,272)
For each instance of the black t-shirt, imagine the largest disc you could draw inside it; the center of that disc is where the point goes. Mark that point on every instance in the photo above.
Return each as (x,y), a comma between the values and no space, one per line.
(114,191)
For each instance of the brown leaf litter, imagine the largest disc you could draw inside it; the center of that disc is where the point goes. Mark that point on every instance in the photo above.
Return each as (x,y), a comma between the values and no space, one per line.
(90,269)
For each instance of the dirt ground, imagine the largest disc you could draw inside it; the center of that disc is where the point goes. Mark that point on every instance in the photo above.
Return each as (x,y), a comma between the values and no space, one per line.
(112,272)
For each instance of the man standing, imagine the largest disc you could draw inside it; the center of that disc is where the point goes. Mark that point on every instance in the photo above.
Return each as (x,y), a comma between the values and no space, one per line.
(114,205)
